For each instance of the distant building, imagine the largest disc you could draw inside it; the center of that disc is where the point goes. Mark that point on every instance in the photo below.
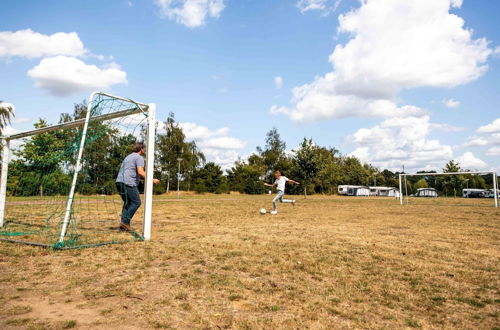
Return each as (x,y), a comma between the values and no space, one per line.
(426,192)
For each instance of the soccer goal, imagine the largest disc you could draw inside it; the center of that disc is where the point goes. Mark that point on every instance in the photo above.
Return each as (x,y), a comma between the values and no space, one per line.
(57,184)
(471,188)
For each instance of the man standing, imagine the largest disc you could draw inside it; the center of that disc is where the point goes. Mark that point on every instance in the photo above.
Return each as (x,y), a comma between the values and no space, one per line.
(129,176)
(280,182)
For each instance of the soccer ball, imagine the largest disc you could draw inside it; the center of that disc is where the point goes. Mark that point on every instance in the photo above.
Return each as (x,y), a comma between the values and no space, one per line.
(263,211)
(273,212)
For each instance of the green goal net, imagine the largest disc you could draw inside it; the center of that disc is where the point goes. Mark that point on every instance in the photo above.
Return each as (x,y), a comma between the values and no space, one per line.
(60,180)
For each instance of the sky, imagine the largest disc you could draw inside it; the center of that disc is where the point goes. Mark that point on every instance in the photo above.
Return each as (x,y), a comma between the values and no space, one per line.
(396,83)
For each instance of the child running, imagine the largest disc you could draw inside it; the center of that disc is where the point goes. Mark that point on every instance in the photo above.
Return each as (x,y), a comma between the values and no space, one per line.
(280,182)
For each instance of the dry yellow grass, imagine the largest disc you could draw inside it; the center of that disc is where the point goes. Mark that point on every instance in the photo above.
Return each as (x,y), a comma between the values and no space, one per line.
(215,262)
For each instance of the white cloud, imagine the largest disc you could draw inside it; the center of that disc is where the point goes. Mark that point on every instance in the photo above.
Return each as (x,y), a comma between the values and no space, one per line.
(476,142)
(216,144)
(446,127)
(30,44)
(63,75)
(197,132)
(324,6)
(471,162)
(191,13)
(492,127)
(451,103)
(223,142)
(278,82)
(493,151)
(20,120)
(395,45)
(398,141)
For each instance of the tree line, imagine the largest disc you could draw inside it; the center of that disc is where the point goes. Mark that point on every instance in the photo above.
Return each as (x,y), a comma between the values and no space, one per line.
(44,163)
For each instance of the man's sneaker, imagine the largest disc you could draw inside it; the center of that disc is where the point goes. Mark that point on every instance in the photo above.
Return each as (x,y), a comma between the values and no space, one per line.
(293,202)
(125,227)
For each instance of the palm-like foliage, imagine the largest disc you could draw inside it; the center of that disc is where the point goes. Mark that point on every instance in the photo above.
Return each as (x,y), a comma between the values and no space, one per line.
(6,114)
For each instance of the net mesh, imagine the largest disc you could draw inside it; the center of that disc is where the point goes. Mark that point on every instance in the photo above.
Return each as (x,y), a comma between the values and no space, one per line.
(42,169)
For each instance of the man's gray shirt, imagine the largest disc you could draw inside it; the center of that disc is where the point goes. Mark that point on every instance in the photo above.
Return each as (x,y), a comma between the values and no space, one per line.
(128,170)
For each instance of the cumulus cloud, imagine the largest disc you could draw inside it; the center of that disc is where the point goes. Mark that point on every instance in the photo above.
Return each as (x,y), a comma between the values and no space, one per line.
(451,103)
(191,13)
(216,144)
(64,75)
(398,141)
(493,127)
(471,162)
(395,45)
(278,82)
(30,44)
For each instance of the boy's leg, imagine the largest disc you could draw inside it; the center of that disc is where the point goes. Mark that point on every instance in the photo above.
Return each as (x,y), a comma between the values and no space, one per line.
(292,201)
(278,197)
(135,202)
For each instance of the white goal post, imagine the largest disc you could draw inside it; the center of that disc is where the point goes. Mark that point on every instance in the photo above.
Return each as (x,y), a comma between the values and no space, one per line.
(149,110)
(403,176)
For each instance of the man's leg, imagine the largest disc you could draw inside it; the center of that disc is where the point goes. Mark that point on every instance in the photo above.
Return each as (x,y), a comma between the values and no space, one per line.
(135,202)
(126,202)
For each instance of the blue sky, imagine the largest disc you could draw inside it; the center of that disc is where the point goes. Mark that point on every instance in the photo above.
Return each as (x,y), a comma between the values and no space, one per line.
(370,78)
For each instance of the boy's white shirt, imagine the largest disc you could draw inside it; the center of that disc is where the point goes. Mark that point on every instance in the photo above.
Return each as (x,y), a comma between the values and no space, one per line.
(280,183)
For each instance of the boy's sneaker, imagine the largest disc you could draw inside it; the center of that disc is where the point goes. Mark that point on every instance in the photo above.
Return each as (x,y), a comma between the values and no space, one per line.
(293,202)
(273,212)
(125,227)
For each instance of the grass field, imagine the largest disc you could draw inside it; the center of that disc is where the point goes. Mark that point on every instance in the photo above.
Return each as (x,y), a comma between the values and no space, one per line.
(215,262)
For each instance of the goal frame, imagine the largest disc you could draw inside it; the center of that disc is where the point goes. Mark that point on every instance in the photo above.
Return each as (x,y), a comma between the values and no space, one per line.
(149,109)
(493,173)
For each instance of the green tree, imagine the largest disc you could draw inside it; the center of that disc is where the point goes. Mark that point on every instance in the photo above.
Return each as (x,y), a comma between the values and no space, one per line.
(171,146)
(452,182)
(41,161)
(210,178)
(246,178)
(273,154)
(308,163)
(422,183)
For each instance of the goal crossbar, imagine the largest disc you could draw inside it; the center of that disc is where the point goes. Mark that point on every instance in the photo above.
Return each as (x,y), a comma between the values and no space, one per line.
(72,124)
(493,173)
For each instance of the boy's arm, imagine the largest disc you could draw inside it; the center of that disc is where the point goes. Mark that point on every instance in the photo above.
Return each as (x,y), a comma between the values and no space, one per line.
(293,181)
(269,185)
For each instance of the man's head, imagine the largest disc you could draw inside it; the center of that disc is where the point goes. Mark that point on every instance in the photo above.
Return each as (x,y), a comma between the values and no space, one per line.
(277,174)
(139,148)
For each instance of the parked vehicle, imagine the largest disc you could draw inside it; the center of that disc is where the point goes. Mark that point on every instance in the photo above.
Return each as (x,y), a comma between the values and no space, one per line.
(474,193)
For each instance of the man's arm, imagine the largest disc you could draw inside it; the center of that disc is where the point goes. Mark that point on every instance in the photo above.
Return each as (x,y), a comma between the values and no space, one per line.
(142,174)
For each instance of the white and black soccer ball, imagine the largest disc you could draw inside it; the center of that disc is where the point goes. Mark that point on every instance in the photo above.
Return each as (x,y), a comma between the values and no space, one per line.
(263,211)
